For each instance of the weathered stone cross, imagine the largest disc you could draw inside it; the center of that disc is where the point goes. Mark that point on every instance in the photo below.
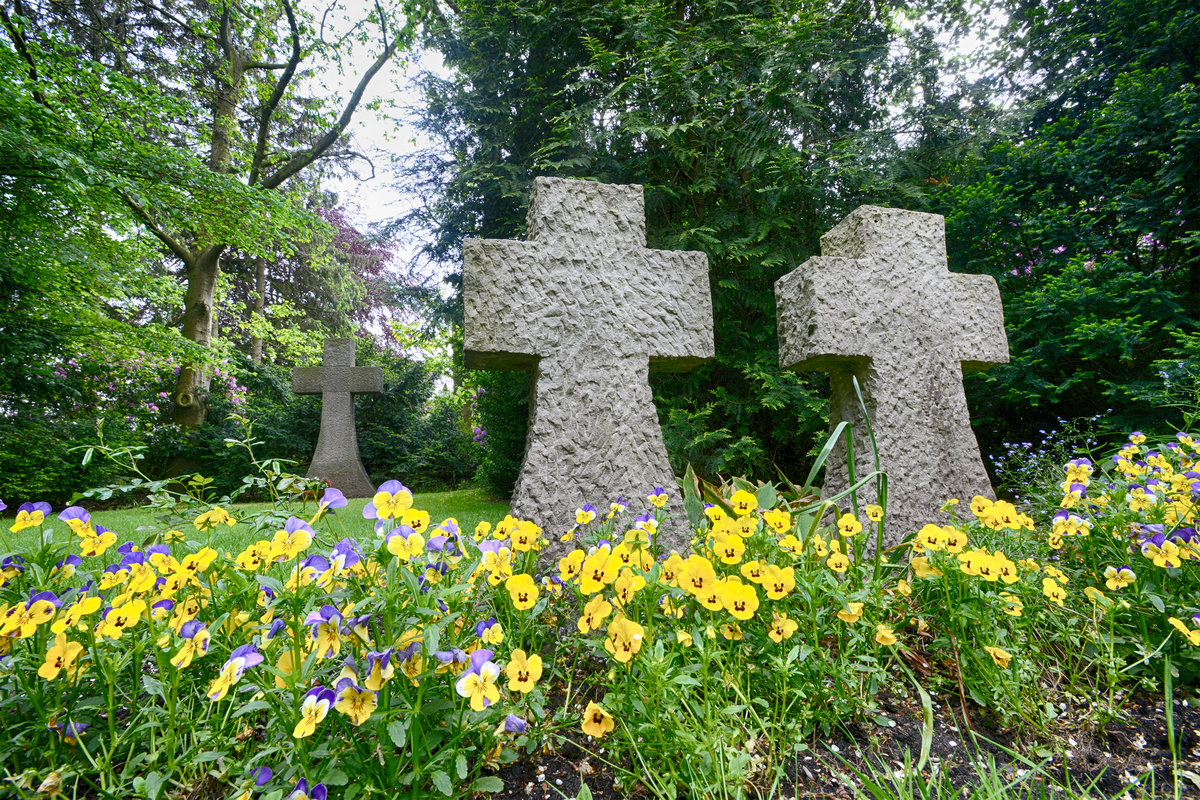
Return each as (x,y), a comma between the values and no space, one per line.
(880,304)
(591,310)
(337,381)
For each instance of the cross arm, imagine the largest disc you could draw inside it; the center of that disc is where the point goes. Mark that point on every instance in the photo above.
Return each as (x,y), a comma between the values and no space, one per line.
(677,320)
(307,380)
(826,311)
(318,380)
(984,343)
(504,304)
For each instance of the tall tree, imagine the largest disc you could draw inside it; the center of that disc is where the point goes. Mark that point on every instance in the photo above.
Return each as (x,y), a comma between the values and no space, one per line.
(342,282)
(202,112)
(1084,201)
(733,115)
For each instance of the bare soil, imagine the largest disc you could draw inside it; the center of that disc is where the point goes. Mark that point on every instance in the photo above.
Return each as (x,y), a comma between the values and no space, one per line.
(1125,757)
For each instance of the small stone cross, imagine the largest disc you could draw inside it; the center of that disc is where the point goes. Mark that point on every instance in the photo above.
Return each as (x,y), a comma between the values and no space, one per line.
(337,380)
(880,305)
(586,306)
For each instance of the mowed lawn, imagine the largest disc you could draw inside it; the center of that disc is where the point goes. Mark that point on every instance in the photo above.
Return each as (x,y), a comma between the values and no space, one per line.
(468,506)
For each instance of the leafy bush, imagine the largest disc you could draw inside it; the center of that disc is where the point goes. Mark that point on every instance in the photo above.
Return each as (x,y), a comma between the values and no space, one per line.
(502,416)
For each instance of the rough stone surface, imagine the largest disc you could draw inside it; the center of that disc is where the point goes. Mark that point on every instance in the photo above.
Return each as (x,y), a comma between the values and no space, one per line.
(880,305)
(337,380)
(590,310)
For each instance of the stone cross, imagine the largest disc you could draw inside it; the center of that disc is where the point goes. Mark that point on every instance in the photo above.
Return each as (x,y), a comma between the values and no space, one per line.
(881,306)
(586,306)
(337,380)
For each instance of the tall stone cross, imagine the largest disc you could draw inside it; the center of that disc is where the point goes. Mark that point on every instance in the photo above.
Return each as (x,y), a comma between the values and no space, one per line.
(337,380)
(590,310)
(881,306)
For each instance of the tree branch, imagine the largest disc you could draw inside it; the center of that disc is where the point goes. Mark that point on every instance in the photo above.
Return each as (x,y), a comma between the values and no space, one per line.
(18,40)
(382,22)
(264,122)
(180,23)
(181,252)
(350,155)
(226,35)
(300,160)
(265,65)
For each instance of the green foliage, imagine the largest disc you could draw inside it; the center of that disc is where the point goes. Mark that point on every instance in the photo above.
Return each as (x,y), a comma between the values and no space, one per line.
(502,415)
(1178,385)
(404,431)
(40,459)
(410,432)
(1081,199)
(735,138)
(1081,341)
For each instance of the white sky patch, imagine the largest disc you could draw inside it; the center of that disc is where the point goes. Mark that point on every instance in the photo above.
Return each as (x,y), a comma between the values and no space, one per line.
(381,129)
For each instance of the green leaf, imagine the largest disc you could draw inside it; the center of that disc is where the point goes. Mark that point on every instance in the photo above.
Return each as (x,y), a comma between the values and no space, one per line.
(488,783)
(398,732)
(274,584)
(1157,602)
(460,764)
(432,637)
(154,784)
(154,687)
(766,496)
(442,782)
(335,777)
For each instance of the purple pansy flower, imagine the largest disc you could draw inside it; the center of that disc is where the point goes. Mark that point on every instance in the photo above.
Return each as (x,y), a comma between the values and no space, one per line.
(302,792)
(331,499)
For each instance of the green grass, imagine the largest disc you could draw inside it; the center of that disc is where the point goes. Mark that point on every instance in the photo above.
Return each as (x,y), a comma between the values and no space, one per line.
(468,506)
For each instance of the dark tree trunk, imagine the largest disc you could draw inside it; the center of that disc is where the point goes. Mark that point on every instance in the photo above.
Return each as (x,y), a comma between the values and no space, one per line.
(191,388)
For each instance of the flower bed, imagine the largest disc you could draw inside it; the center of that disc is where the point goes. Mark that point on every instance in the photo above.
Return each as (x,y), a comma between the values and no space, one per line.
(416,657)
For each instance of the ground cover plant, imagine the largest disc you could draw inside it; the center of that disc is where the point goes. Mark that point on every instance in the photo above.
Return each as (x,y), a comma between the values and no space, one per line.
(384,652)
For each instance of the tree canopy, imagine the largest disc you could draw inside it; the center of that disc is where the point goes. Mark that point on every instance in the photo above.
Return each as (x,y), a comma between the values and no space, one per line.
(164,199)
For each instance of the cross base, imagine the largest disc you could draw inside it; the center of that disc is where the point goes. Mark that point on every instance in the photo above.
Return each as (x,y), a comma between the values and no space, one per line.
(923,433)
(594,436)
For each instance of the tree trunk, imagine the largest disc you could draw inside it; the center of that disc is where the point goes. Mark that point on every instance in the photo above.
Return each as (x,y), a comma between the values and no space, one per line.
(199,316)
(260,306)
(191,388)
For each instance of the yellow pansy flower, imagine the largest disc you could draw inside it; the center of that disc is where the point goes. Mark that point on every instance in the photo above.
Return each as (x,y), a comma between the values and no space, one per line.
(740,599)
(848,525)
(596,721)
(624,639)
(743,503)
(1054,591)
(524,671)
(999,656)
(356,703)
(59,657)
(212,518)
(851,613)
(523,591)
(781,627)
